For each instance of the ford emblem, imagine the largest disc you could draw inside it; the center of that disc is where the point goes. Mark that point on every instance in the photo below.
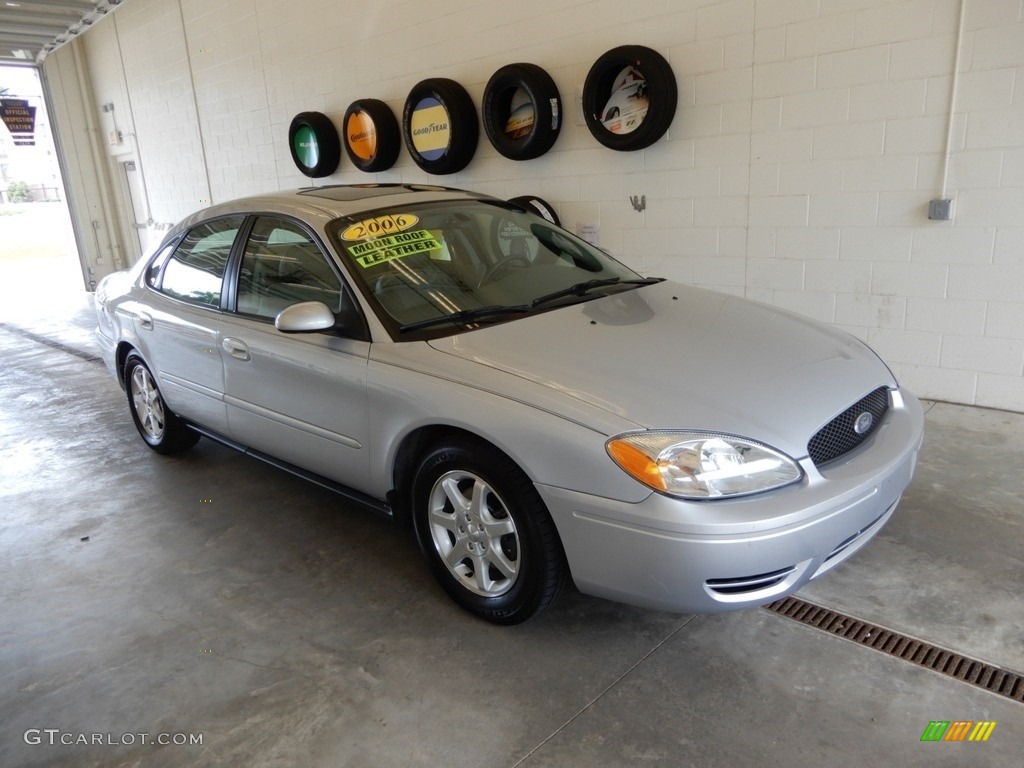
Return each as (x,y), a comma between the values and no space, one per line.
(863,423)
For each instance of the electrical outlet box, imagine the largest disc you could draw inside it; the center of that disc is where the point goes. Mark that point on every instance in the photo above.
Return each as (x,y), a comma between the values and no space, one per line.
(940,210)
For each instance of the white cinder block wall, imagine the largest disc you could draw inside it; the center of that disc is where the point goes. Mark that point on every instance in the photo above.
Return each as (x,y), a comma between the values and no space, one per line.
(809,138)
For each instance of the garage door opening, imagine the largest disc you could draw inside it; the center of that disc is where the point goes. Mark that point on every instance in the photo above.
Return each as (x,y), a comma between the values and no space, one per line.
(39,259)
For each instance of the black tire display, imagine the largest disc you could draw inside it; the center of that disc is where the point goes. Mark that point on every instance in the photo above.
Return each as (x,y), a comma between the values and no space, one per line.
(538,206)
(522,111)
(439,126)
(372,135)
(629,97)
(314,144)
(486,533)
(162,430)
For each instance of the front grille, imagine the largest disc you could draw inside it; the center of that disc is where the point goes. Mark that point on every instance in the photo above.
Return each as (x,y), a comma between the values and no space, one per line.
(839,436)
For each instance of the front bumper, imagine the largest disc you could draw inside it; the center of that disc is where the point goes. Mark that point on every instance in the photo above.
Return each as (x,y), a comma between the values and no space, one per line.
(711,556)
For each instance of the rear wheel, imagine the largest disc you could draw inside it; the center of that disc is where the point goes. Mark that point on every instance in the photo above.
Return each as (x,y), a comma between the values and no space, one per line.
(162,430)
(486,532)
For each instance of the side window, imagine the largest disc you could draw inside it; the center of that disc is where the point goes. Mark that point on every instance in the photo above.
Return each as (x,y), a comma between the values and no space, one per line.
(282,266)
(195,271)
(156,265)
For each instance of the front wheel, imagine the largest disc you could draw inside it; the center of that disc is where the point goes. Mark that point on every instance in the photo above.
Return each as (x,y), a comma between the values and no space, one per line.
(162,430)
(486,532)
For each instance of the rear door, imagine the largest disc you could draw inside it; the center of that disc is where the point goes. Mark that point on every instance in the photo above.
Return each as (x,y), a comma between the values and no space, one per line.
(178,328)
(300,397)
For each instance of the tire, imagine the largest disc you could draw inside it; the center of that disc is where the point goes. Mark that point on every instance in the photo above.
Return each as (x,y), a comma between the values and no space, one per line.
(439,126)
(314,144)
(536,205)
(610,124)
(372,135)
(471,499)
(162,430)
(538,94)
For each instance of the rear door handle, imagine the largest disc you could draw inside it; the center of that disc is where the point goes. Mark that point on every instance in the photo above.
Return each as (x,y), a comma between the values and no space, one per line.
(235,348)
(145,321)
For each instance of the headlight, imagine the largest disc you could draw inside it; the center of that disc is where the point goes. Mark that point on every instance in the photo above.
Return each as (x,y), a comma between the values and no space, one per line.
(700,465)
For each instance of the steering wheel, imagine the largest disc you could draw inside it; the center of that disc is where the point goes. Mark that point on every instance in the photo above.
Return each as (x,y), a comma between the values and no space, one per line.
(515,259)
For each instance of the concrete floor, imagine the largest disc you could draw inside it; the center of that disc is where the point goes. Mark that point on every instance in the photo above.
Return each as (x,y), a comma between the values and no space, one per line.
(211,596)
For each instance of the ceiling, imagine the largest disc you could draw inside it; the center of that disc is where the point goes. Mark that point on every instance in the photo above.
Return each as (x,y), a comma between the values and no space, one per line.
(30,29)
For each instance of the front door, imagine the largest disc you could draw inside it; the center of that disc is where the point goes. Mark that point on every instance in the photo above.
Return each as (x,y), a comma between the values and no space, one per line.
(300,397)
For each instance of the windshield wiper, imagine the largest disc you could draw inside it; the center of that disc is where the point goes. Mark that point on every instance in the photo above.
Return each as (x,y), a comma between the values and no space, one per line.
(467,315)
(581,289)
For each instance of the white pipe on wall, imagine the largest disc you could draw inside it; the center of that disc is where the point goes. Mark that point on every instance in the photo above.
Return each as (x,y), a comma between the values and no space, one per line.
(952,96)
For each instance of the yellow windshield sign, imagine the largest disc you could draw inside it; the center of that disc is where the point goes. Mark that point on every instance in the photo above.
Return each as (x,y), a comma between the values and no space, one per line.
(382,249)
(382,225)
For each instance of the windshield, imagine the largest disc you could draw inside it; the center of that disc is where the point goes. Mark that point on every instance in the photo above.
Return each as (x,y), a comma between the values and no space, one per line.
(445,265)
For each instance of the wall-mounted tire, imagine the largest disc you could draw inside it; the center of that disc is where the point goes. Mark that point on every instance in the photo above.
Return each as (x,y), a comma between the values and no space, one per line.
(522,111)
(372,135)
(439,126)
(314,144)
(536,205)
(629,97)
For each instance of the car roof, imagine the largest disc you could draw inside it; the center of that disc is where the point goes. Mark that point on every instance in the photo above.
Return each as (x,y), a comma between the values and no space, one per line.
(323,204)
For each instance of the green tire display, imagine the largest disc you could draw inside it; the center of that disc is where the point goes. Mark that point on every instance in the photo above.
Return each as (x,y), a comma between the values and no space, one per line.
(314,144)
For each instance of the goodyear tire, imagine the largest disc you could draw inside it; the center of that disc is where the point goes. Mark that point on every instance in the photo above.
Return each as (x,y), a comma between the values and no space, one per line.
(536,205)
(629,98)
(439,126)
(372,135)
(522,112)
(314,144)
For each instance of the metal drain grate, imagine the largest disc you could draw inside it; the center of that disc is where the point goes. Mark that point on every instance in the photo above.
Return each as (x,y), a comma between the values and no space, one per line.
(955,665)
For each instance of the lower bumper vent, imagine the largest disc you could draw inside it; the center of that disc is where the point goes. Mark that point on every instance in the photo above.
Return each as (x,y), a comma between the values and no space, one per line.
(742,584)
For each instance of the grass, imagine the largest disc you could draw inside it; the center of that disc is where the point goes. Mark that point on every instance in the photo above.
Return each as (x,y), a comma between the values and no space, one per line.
(34,231)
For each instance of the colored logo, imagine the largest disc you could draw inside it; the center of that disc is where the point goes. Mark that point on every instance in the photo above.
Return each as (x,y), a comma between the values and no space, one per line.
(522,116)
(958,730)
(362,135)
(863,423)
(431,132)
(306,147)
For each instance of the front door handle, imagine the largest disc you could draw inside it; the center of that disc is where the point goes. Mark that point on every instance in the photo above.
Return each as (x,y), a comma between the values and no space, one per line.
(235,348)
(145,321)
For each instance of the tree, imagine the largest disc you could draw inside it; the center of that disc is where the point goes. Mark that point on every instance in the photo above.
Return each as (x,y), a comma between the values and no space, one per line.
(17,192)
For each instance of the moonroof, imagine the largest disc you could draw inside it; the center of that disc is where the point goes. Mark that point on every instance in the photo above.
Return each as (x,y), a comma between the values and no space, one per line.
(353,192)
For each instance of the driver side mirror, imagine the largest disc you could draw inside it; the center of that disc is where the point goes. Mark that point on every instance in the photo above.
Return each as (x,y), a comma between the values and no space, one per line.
(305,317)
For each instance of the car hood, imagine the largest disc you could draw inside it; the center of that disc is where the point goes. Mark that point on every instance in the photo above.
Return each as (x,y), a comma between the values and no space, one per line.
(671,356)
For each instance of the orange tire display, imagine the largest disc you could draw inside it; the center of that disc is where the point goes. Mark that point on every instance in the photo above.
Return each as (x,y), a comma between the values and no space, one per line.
(371,133)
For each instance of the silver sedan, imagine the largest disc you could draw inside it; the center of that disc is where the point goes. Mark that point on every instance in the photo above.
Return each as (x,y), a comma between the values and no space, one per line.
(534,410)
